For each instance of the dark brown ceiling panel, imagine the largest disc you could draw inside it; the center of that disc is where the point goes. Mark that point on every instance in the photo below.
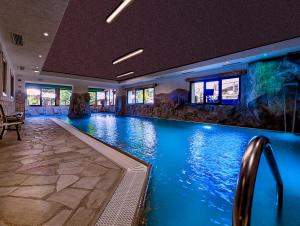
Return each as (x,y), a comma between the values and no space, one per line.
(172,33)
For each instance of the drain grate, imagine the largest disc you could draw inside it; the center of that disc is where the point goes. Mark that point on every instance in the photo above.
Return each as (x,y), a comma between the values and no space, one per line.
(121,209)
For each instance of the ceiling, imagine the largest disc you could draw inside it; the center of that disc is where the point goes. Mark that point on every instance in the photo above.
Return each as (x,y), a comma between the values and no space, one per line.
(29,18)
(171,32)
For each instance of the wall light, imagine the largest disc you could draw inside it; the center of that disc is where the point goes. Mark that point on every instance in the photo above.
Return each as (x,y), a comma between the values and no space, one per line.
(129,73)
(46,34)
(129,55)
(40,56)
(118,10)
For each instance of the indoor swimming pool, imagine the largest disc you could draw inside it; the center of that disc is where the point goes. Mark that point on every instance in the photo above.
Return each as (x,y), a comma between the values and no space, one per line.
(196,166)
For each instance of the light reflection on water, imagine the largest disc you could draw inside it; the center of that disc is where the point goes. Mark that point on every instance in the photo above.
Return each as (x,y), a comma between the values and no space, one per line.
(195,168)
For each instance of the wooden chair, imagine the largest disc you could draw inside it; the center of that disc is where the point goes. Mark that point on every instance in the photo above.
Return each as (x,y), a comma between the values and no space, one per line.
(10,122)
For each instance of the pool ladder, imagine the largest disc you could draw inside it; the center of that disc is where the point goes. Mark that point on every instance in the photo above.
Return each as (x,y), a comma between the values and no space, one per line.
(241,214)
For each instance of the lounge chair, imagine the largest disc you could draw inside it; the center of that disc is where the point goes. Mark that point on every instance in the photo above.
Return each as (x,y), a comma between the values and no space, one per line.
(10,122)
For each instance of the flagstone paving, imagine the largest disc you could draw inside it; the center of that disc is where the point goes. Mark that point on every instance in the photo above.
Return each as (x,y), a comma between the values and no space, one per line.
(51,178)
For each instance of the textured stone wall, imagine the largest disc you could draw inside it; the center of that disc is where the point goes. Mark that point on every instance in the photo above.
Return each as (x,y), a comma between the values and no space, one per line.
(79,105)
(8,106)
(262,98)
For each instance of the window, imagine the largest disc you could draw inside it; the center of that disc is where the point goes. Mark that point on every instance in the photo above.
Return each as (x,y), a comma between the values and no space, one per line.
(198,92)
(149,96)
(65,96)
(223,90)
(112,97)
(12,86)
(92,98)
(230,90)
(4,76)
(212,92)
(139,96)
(48,97)
(33,96)
(131,97)
(100,97)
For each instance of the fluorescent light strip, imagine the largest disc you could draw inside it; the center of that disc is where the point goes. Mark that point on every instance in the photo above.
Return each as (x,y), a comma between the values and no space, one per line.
(129,73)
(118,10)
(129,55)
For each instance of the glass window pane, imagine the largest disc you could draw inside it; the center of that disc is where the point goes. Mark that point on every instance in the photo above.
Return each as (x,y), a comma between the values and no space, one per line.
(139,96)
(198,92)
(65,96)
(48,97)
(33,96)
(212,92)
(100,97)
(92,98)
(112,97)
(230,90)
(131,97)
(149,96)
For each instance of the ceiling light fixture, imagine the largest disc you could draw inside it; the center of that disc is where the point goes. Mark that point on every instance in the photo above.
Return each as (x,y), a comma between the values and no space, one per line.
(118,10)
(129,73)
(36,70)
(46,34)
(129,55)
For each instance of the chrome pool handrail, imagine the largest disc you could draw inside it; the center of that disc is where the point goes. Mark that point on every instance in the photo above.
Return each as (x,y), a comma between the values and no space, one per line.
(242,207)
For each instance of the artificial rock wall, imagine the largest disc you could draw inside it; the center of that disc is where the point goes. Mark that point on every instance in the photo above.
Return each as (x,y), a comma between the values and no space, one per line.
(79,105)
(263,92)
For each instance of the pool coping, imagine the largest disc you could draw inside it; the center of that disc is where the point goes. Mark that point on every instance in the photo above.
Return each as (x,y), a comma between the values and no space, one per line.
(131,192)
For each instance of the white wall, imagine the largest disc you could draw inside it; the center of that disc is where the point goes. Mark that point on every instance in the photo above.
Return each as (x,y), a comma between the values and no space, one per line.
(6,100)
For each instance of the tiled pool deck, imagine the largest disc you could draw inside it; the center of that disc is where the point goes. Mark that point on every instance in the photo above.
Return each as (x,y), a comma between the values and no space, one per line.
(53,178)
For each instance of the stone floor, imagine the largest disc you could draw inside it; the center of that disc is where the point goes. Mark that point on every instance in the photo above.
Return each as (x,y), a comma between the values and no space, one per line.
(52,178)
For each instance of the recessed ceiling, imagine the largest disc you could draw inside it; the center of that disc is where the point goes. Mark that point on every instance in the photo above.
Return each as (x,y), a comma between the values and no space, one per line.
(172,33)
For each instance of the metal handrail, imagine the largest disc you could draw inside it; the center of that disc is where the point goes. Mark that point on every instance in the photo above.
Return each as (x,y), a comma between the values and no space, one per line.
(241,215)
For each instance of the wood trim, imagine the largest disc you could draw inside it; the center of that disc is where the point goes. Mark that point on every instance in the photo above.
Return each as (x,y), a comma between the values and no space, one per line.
(221,75)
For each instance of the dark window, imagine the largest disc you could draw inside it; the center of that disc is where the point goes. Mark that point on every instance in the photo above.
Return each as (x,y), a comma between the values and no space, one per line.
(223,90)
(12,86)
(4,76)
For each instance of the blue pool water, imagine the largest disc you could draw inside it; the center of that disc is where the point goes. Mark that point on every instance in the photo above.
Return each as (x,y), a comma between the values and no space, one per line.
(196,166)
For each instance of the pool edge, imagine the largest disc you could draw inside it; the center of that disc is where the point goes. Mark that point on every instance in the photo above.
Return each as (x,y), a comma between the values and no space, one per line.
(133,167)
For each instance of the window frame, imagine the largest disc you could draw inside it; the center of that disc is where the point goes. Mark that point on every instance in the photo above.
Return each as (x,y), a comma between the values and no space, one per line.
(4,75)
(132,90)
(220,98)
(12,85)
(153,95)
(142,98)
(37,105)
(59,99)
(138,89)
